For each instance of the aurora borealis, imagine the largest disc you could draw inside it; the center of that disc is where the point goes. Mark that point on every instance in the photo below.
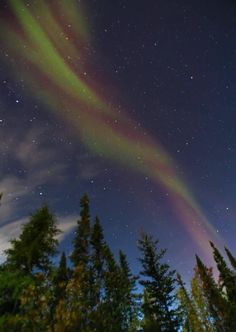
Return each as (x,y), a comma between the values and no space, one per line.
(49,50)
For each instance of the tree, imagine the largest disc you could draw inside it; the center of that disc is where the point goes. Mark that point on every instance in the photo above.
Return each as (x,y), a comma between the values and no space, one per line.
(81,260)
(61,278)
(200,302)
(228,284)
(149,322)
(98,247)
(159,283)
(35,245)
(35,307)
(112,285)
(110,308)
(62,273)
(227,278)
(80,252)
(191,322)
(232,259)
(12,285)
(72,312)
(216,303)
(128,297)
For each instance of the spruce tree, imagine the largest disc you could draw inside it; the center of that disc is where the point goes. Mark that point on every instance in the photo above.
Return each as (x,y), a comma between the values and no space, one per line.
(159,283)
(149,322)
(217,304)
(232,259)
(191,322)
(113,285)
(62,277)
(62,269)
(80,252)
(81,261)
(228,284)
(200,302)
(128,297)
(97,260)
(112,299)
(227,279)
(35,245)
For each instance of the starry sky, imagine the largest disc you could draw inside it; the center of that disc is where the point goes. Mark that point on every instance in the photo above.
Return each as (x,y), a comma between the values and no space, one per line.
(132,102)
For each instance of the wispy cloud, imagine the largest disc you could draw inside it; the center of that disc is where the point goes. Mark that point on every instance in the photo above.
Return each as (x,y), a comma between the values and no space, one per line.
(31,163)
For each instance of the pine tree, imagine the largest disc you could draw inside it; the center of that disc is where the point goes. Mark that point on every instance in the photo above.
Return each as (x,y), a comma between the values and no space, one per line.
(36,244)
(159,283)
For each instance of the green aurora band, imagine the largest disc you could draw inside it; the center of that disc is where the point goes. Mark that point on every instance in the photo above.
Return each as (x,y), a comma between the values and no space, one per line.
(50,40)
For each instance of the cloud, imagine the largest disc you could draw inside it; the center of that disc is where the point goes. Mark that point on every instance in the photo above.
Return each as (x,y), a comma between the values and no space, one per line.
(66,225)
(33,151)
(29,162)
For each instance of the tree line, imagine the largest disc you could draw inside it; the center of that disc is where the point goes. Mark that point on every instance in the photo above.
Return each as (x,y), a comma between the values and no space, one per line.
(90,290)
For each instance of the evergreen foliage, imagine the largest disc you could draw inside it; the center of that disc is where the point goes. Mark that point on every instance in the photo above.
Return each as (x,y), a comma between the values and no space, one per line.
(159,283)
(97,292)
(191,321)
(232,259)
(36,244)
(198,298)
(80,254)
(216,303)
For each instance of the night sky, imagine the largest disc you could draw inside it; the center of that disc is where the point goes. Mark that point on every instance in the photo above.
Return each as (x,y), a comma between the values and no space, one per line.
(132,102)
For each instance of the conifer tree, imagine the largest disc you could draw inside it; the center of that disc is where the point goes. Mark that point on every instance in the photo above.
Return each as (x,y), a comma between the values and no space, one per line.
(191,322)
(228,284)
(97,260)
(80,252)
(81,260)
(227,279)
(217,304)
(159,282)
(62,269)
(62,277)
(149,322)
(12,285)
(128,298)
(232,259)
(111,303)
(35,307)
(200,302)
(36,243)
